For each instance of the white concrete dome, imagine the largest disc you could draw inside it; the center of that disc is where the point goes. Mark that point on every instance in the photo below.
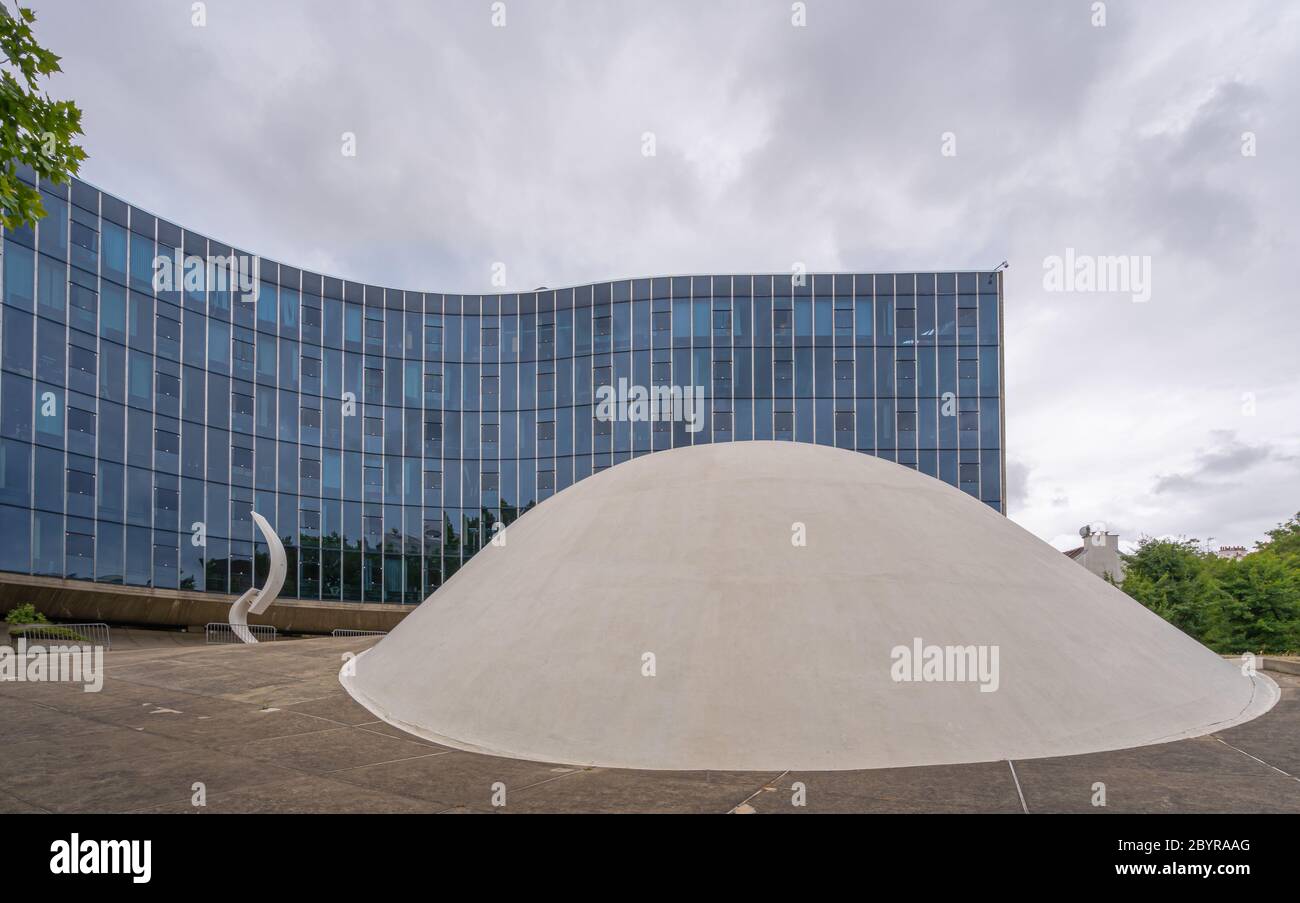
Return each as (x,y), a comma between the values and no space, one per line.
(771,655)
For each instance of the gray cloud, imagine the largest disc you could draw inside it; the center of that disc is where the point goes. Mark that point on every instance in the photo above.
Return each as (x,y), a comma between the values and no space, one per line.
(1226,462)
(775,144)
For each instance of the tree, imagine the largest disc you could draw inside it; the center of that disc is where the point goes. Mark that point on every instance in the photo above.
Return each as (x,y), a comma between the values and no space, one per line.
(1251,605)
(34,130)
(1169,577)
(1284,539)
(1260,607)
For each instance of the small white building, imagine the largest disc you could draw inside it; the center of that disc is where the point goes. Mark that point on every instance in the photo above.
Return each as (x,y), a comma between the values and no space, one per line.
(1099,553)
(1236,553)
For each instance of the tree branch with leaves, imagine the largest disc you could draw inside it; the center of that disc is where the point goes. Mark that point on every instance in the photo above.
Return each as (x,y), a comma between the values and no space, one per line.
(34,129)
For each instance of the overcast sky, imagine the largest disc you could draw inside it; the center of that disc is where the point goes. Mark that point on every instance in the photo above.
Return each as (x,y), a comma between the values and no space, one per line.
(830,144)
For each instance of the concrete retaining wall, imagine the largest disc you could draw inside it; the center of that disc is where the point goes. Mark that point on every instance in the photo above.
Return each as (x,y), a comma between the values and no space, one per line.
(1283,665)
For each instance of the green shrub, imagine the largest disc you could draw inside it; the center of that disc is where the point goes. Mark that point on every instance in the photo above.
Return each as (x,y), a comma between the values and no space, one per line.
(25,614)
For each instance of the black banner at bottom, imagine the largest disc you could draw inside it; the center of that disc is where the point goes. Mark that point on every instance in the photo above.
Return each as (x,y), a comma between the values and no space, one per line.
(378,853)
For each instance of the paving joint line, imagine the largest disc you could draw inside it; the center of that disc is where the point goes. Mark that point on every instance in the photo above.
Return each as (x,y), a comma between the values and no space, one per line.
(1020,793)
(762,786)
(4,788)
(428,755)
(568,774)
(1257,759)
(409,738)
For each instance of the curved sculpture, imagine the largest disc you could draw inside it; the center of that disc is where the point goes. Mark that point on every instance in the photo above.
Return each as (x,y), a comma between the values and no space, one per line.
(256,600)
(776,605)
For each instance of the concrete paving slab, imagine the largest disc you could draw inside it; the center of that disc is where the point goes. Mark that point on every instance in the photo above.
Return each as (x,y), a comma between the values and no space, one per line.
(153,716)
(339,708)
(242,725)
(211,680)
(1275,739)
(305,795)
(1201,755)
(138,782)
(979,787)
(47,724)
(282,695)
(605,790)
(835,803)
(331,750)
(86,751)
(1069,788)
(455,778)
(43,692)
(381,727)
(12,805)
(744,779)
(124,695)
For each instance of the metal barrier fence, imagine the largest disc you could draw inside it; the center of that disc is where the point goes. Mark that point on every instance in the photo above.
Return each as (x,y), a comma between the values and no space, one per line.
(93,633)
(343,631)
(219,632)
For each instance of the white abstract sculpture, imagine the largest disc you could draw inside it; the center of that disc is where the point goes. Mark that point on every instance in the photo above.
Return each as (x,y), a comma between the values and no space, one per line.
(259,600)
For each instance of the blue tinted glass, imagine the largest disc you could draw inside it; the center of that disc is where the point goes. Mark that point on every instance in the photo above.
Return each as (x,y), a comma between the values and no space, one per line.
(384,440)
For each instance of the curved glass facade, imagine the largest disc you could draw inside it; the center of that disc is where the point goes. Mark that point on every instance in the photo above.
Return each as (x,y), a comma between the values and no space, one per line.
(385,433)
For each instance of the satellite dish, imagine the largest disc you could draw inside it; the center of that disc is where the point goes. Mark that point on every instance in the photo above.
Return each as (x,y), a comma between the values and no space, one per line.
(1085,531)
